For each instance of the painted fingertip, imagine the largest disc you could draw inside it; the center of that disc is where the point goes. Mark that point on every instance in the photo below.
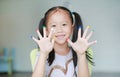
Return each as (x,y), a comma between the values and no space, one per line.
(36,29)
(96,41)
(31,37)
(54,37)
(80,27)
(89,26)
(67,39)
(44,26)
(52,29)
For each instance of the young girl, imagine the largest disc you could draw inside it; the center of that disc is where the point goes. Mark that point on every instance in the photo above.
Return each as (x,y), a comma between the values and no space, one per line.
(63,45)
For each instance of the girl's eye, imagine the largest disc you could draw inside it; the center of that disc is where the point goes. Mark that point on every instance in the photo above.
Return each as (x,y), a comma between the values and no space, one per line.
(53,25)
(64,24)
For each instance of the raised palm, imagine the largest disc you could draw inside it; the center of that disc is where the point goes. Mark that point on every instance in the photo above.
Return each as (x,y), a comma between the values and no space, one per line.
(81,45)
(45,43)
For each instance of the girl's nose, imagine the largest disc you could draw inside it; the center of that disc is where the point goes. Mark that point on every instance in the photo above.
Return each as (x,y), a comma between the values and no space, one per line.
(59,29)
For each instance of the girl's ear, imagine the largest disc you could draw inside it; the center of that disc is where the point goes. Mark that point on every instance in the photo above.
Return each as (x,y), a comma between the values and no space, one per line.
(47,32)
(72,27)
(72,31)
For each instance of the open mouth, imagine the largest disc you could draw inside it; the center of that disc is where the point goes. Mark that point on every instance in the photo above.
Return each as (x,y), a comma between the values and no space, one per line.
(60,36)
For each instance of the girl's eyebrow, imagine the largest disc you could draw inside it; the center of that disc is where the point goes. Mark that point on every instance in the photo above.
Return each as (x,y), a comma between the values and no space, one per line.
(51,22)
(61,22)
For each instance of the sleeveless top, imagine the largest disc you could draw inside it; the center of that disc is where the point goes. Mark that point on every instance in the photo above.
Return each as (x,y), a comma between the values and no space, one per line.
(62,66)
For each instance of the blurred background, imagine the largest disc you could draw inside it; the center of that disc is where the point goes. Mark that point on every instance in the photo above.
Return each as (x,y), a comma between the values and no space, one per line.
(20,18)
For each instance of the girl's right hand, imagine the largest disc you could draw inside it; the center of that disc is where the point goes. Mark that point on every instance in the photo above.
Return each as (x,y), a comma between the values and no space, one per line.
(45,43)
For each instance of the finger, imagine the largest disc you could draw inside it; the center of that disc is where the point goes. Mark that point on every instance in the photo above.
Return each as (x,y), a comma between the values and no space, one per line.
(44,31)
(79,32)
(70,42)
(90,34)
(51,32)
(53,40)
(40,36)
(85,32)
(91,43)
(35,39)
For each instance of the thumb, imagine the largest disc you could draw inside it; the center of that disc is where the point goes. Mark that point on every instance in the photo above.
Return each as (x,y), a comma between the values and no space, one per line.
(34,39)
(53,41)
(70,42)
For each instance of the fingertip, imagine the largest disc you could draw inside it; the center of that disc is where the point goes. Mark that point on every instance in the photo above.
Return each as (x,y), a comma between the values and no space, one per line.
(34,39)
(88,26)
(79,27)
(53,40)
(31,37)
(69,42)
(54,37)
(67,39)
(36,29)
(96,41)
(52,29)
(44,26)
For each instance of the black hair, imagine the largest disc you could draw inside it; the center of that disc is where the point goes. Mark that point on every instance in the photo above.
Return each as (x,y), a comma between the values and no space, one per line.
(76,20)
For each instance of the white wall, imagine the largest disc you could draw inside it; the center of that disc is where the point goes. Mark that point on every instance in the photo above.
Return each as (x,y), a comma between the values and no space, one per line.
(19,19)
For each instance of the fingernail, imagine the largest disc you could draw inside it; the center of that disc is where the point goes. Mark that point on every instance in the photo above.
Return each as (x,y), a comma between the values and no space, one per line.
(52,29)
(80,26)
(67,39)
(96,41)
(44,26)
(31,37)
(89,26)
(36,29)
(53,37)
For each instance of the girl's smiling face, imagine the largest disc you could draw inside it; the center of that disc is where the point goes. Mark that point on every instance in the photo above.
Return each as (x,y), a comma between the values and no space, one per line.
(61,23)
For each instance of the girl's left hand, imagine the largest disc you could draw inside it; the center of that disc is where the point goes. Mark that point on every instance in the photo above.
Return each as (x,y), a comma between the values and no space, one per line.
(81,45)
